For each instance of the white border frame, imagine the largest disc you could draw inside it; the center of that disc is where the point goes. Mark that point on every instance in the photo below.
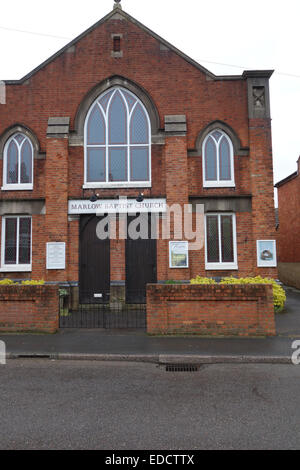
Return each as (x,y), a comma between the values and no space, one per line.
(57,266)
(266,264)
(218,183)
(19,186)
(176,242)
(107,146)
(222,266)
(15,267)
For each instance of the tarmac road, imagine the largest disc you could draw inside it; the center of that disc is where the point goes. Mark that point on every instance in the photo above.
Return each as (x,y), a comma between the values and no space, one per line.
(131,406)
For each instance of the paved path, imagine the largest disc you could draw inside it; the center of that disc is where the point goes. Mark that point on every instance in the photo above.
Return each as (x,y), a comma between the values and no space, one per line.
(126,406)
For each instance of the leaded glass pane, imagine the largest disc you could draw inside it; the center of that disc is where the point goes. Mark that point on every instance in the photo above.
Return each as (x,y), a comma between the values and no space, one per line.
(217,135)
(95,165)
(24,240)
(139,163)
(118,164)
(224,160)
(129,99)
(227,239)
(105,99)
(96,127)
(12,163)
(138,126)
(26,163)
(117,119)
(210,160)
(10,250)
(19,138)
(212,241)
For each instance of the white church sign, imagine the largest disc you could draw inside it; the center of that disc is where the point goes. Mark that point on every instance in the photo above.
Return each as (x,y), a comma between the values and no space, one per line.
(113,206)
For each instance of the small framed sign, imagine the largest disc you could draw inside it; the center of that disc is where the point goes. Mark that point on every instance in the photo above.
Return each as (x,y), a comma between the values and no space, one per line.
(179,254)
(56,255)
(266,253)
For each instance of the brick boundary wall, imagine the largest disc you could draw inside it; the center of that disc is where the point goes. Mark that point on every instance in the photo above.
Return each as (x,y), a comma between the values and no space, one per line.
(289,274)
(241,310)
(29,308)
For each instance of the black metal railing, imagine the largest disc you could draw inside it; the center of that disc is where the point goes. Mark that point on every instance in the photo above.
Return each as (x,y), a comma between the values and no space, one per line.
(93,314)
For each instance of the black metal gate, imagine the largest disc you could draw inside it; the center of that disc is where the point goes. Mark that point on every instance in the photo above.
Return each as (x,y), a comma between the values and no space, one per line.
(105,315)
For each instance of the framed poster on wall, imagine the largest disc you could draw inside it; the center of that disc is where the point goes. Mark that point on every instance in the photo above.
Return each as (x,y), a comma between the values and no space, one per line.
(266,253)
(179,254)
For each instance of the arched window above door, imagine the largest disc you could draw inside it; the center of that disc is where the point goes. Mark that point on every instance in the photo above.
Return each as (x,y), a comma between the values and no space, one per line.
(117,141)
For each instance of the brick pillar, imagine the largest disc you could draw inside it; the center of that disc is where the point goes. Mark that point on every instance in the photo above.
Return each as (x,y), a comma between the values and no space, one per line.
(176,180)
(261,162)
(57,188)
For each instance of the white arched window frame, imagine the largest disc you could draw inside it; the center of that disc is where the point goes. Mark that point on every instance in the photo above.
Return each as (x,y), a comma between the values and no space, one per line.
(212,153)
(131,103)
(18,163)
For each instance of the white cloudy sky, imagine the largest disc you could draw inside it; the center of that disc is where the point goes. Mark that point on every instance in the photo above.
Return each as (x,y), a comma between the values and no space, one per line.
(259,34)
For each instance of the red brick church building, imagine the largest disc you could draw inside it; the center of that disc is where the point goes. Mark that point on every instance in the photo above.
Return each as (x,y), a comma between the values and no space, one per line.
(119,112)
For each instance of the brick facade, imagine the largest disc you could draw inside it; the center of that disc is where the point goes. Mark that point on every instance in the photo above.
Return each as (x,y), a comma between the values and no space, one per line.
(289,229)
(210,310)
(169,84)
(29,308)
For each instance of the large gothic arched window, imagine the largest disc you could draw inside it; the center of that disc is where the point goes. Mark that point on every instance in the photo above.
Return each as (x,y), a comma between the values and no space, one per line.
(18,163)
(117,141)
(218,164)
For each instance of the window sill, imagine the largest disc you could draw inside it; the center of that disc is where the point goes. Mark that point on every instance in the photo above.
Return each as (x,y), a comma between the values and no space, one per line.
(215,184)
(221,267)
(17,187)
(112,185)
(16,268)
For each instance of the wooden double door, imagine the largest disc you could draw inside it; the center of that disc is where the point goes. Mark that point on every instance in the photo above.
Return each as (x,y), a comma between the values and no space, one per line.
(94,258)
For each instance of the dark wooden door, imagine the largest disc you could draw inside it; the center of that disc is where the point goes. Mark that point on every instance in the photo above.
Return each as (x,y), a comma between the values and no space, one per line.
(141,267)
(94,259)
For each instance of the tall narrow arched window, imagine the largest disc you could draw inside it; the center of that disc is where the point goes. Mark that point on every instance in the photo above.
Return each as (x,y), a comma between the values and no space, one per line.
(18,163)
(218,164)
(117,141)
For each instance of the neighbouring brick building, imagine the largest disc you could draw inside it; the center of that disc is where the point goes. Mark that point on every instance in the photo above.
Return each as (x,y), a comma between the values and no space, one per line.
(118,112)
(288,233)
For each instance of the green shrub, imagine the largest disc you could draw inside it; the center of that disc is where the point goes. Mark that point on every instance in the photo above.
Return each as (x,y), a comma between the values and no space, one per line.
(278,292)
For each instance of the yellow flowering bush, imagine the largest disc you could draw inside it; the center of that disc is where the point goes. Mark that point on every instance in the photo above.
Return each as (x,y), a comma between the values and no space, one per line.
(33,283)
(278,292)
(202,280)
(6,282)
(10,282)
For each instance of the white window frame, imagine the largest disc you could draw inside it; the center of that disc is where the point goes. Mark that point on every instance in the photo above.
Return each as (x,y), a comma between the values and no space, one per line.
(220,265)
(17,186)
(107,146)
(218,183)
(15,267)
(172,243)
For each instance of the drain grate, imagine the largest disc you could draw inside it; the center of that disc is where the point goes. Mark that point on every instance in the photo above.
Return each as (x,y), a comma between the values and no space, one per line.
(182,368)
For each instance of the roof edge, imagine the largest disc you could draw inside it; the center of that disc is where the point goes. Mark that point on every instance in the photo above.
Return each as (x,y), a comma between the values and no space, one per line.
(286,180)
(246,74)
